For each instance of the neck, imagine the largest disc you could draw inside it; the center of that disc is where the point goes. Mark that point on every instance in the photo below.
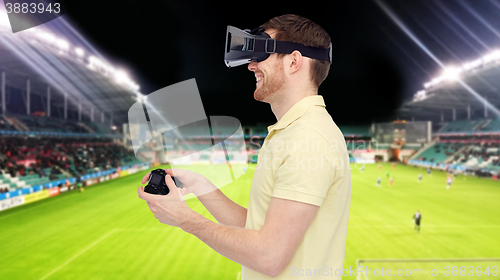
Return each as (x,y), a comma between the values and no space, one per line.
(280,106)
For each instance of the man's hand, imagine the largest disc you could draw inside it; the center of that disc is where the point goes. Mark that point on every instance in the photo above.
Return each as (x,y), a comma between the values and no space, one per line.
(192,182)
(170,209)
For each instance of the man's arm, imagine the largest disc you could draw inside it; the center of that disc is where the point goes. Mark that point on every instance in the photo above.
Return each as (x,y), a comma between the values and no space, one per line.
(224,210)
(267,251)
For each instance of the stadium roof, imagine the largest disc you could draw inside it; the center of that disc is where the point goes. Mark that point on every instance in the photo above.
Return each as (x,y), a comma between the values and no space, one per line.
(49,59)
(473,85)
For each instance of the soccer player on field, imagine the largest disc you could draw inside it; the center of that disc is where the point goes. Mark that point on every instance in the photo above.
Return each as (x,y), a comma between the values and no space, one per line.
(378,182)
(419,177)
(391,181)
(448,182)
(417,217)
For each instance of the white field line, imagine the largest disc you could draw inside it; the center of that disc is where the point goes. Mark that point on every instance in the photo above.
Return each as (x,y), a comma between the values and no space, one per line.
(432,226)
(78,254)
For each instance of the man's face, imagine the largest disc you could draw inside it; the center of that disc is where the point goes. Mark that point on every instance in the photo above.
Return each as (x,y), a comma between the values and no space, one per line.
(269,76)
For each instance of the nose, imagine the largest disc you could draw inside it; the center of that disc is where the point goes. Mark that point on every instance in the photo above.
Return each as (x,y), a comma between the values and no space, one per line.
(252,66)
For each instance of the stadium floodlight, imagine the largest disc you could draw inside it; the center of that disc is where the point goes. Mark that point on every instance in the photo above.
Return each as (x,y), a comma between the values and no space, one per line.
(436,81)
(472,64)
(493,56)
(108,68)
(134,86)
(95,63)
(79,52)
(452,73)
(46,36)
(121,77)
(62,44)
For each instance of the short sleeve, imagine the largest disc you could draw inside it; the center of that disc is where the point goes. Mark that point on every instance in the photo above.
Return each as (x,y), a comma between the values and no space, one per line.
(308,168)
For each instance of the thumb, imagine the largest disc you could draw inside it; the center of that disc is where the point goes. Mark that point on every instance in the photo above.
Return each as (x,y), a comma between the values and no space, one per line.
(172,187)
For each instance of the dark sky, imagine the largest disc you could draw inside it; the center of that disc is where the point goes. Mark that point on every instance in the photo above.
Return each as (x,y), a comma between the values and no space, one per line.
(375,64)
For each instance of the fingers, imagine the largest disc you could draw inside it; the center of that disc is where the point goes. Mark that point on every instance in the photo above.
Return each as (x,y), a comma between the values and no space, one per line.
(146,178)
(184,191)
(175,172)
(170,183)
(147,196)
(170,172)
(174,191)
(152,207)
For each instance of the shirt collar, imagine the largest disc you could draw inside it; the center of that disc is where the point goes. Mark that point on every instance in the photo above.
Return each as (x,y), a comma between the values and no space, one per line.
(297,110)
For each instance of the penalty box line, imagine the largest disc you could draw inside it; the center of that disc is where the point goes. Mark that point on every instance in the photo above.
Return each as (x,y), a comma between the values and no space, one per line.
(92,245)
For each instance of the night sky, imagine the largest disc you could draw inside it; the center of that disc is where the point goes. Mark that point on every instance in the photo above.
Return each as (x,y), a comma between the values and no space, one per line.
(376,66)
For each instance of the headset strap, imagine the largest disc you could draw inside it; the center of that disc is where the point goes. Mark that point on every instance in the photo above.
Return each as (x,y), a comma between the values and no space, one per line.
(271,46)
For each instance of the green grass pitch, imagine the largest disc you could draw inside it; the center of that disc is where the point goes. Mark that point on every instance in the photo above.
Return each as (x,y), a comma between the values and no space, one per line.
(107,232)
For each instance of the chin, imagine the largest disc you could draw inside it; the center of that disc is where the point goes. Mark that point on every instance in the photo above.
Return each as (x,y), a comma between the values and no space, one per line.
(259,95)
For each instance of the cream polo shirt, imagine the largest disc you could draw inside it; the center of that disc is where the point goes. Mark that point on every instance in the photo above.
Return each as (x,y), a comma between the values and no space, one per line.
(304,158)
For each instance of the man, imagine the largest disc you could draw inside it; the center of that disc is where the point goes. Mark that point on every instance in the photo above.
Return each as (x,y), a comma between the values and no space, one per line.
(417,217)
(449,181)
(300,196)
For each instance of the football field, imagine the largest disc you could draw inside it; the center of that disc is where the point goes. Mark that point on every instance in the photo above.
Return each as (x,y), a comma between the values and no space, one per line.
(107,232)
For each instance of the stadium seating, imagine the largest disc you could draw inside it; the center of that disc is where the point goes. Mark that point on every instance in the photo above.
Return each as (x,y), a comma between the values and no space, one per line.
(38,123)
(4,124)
(461,126)
(35,161)
(491,125)
(99,128)
(439,152)
(13,124)
(482,156)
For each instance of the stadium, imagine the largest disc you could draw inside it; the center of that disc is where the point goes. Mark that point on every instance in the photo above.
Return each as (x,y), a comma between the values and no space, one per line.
(70,167)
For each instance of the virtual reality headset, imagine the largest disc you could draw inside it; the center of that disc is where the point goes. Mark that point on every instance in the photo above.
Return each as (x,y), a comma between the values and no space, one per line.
(245,46)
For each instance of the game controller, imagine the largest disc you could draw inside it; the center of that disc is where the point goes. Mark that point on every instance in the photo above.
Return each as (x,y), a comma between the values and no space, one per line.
(157,184)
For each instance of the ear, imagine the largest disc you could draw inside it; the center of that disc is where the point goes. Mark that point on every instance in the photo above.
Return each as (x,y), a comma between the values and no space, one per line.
(296,60)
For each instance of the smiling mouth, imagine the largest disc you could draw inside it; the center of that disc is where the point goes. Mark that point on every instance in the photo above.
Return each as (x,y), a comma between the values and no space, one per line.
(259,78)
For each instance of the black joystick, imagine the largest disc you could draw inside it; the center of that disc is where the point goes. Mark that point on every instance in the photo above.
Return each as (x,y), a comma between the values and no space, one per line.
(156,184)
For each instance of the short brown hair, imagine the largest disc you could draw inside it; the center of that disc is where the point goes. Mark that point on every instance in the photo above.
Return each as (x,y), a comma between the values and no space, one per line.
(301,30)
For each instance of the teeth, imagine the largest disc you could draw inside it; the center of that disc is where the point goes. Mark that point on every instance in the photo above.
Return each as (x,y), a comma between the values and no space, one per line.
(259,79)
